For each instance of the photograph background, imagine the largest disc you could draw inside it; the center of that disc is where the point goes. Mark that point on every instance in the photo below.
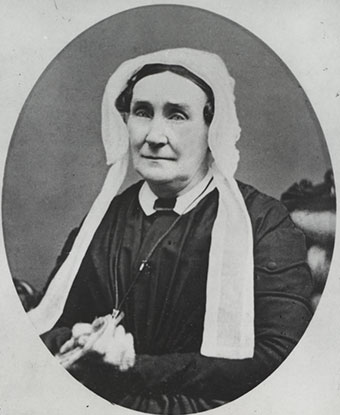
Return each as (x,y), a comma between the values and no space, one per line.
(56,164)
(305,34)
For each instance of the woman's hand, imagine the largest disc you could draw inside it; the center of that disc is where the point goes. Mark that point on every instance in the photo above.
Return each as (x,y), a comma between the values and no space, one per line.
(104,337)
(116,346)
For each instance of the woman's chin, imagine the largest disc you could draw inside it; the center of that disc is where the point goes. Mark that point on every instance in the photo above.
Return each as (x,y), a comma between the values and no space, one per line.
(156,175)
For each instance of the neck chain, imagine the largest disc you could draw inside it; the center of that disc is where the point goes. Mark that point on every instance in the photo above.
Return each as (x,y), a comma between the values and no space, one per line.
(118,305)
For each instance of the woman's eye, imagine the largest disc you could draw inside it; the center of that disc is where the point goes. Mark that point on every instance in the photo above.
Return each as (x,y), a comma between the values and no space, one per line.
(178,117)
(142,113)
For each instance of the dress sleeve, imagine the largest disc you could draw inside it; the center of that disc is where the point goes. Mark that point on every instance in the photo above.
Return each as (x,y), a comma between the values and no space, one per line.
(283,286)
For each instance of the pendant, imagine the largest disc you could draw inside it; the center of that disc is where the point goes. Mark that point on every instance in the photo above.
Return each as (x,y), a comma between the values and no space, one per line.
(114,313)
(117,315)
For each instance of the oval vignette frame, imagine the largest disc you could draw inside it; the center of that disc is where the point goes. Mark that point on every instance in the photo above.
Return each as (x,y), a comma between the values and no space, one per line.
(39,139)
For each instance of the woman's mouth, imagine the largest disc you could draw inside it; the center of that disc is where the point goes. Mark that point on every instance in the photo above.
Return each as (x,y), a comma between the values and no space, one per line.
(158,158)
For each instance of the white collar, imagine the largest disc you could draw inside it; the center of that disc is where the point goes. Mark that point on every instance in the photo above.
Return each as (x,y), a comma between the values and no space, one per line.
(184,203)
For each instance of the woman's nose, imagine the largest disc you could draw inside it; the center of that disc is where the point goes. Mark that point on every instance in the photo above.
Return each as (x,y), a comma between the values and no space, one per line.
(156,136)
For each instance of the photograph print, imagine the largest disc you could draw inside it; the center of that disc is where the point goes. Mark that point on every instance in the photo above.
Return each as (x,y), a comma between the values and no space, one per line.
(169,209)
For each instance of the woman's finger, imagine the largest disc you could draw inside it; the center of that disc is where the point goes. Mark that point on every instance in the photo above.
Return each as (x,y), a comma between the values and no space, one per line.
(70,344)
(128,357)
(114,352)
(81,328)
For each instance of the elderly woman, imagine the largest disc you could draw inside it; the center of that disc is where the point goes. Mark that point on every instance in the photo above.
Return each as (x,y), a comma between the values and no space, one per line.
(201,280)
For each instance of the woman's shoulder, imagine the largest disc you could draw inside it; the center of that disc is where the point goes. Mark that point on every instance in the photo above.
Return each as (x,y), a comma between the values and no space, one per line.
(265,211)
(129,192)
(123,200)
(257,201)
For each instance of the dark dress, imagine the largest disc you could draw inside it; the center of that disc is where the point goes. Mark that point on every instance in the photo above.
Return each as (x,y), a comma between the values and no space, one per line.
(165,309)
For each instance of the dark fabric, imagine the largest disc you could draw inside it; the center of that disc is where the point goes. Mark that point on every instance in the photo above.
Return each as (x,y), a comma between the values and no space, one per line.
(165,309)
(162,203)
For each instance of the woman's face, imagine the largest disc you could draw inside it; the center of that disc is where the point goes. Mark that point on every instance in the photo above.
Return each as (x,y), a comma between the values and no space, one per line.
(168,134)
